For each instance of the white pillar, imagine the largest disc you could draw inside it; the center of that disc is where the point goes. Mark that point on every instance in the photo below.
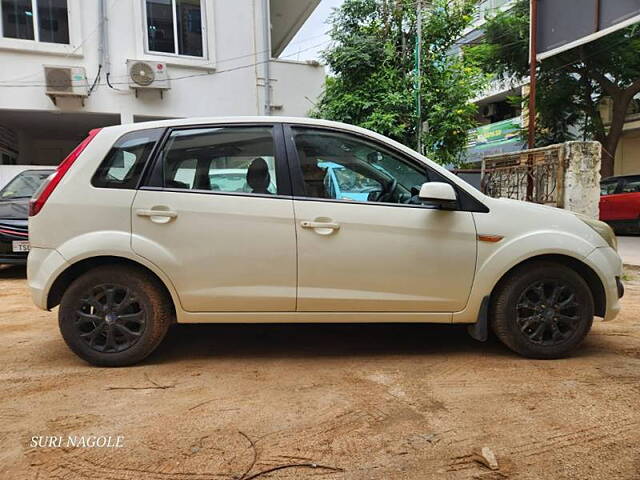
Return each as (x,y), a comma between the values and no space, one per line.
(582,177)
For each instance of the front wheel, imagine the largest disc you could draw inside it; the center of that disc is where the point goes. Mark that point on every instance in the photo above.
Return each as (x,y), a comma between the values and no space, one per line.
(542,310)
(114,316)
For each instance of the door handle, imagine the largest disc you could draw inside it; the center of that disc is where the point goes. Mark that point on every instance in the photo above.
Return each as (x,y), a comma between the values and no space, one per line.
(157,215)
(323,228)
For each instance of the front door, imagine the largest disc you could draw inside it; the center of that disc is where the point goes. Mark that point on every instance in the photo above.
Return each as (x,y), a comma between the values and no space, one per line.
(372,246)
(217,218)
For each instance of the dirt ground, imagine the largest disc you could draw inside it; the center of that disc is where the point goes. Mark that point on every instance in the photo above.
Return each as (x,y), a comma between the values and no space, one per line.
(377,401)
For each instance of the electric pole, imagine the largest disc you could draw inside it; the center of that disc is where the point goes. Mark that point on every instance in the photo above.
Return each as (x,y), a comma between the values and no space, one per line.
(418,82)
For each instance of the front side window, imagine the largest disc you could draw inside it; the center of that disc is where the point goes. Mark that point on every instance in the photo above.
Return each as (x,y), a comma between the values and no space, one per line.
(175,27)
(631,185)
(608,188)
(124,163)
(40,20)
(344,167)
(221,159)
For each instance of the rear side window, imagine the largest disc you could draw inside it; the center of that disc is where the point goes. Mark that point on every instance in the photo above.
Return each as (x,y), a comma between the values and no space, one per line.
(124,163)
(238,159)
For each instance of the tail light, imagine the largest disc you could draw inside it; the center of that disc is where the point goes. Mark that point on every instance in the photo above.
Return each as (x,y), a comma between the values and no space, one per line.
(48,186)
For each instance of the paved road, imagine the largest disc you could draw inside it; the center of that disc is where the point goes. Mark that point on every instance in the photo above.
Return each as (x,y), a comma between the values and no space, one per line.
(629,248)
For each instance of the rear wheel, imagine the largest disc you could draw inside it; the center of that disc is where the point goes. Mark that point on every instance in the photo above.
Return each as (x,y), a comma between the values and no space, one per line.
(542,310)
(114,316)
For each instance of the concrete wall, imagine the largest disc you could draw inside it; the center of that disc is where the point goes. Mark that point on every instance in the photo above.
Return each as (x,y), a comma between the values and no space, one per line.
(628,154)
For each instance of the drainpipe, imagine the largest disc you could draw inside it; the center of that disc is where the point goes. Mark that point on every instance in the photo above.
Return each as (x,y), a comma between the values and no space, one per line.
(266,45)
(103,47)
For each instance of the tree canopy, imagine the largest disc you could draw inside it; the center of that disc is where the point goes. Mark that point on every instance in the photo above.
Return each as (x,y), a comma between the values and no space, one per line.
(373,81)
(572,86)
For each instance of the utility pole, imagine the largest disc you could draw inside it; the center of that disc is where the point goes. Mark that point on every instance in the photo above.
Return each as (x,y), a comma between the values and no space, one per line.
(418,82)
(533,80)
(266,45)
(533,65)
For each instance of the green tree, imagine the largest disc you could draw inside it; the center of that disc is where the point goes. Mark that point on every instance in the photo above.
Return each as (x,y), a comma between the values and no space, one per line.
(373,81)
(572,85)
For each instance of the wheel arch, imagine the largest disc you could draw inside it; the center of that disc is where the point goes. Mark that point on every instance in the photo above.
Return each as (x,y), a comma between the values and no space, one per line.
(73,271)
(585,271)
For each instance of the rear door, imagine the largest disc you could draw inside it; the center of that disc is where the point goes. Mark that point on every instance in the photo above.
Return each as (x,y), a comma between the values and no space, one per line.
(216,216)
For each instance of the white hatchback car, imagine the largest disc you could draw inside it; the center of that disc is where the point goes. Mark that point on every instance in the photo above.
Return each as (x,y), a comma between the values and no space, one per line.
(133,232)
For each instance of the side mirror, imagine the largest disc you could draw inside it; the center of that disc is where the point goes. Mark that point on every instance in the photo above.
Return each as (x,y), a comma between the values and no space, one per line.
(438,195)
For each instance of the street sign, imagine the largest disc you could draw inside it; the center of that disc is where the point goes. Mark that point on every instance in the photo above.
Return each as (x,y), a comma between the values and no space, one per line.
(565,24)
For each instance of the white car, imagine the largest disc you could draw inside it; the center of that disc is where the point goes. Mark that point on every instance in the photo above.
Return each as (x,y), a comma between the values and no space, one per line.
(131,235)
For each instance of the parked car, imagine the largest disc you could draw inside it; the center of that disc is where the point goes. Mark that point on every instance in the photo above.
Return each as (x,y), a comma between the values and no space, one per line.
(127,254)
(14,208)
(620,203)
(9,172)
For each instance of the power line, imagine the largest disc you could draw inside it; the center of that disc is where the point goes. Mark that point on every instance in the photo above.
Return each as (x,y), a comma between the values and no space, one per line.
(194,75)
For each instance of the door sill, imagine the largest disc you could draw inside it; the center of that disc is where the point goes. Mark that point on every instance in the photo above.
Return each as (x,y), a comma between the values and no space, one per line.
(314,317)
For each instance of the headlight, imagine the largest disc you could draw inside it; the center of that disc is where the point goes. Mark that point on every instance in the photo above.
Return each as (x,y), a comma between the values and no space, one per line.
(604,230)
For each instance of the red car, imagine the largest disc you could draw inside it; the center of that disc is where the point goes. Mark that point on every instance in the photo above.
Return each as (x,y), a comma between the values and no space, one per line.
(620,203)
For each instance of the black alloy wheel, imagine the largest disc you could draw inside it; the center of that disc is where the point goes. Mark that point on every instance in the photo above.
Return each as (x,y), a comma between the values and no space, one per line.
(110,318)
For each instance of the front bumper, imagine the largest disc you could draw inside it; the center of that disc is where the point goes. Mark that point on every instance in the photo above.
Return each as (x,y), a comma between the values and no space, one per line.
(16,259)
(608,265)
(7,255)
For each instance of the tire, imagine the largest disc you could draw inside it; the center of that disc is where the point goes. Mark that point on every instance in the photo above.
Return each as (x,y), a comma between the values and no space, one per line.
(114,316)
(523,319)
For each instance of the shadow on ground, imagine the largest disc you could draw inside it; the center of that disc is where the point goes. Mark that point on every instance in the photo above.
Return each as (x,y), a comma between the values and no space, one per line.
(318,340)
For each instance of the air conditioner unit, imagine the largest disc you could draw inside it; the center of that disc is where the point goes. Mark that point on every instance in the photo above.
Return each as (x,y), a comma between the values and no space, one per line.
(144,75)
(66,82)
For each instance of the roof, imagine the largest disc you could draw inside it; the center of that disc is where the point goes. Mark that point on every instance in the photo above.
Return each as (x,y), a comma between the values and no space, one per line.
(287,16)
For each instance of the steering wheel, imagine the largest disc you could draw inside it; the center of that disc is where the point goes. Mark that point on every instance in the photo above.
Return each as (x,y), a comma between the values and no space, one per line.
(388,190)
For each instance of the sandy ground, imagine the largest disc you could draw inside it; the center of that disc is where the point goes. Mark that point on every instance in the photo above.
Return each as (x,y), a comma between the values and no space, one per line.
(629,249)
(379,402)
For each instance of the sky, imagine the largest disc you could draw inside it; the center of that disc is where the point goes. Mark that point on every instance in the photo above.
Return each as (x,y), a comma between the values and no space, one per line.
(312,38)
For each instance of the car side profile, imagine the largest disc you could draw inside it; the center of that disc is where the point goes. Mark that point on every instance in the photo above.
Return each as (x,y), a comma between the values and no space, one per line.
(620,203)
(136,230)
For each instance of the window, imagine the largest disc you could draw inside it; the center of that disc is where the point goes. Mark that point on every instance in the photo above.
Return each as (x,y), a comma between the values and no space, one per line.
(224,159)
(631,185)
(175,27)
(24,184)
(39,20)
(343,167)
(124,163)
(609,187)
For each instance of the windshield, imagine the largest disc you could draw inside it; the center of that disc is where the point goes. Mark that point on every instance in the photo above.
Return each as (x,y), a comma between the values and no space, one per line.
(24,184)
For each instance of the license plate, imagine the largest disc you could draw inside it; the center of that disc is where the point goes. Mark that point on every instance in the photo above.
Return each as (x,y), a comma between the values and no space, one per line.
(20,246)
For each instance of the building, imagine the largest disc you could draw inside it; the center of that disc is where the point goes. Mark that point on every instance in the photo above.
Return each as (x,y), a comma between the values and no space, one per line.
(501,121)
(72,65)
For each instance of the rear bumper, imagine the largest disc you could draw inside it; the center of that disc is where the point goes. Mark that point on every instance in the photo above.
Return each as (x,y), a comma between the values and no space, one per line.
(43,266)
(608,266)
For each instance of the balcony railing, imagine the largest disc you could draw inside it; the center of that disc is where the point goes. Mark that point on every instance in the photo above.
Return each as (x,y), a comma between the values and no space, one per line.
(487,8)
